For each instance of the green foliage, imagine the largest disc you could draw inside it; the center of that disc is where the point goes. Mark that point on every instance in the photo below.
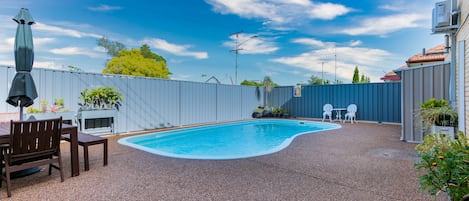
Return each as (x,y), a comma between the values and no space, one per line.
(251,83)
(58,105)
(59,101)
(445,165)
(437,112)
(100,98)
(147,53)
(364,79)
(112,47)
(314,80)
(433,103)
(31,109)
(357,79)
(132,62)
(268,86)
(356,75)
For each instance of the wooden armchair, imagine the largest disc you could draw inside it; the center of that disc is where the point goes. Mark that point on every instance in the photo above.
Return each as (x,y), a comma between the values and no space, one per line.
(32,144)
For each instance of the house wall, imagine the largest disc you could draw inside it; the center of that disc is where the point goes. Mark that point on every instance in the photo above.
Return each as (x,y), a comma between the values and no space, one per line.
(462,37)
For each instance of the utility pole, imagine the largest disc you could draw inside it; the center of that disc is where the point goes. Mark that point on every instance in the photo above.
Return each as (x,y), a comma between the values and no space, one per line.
(322,72)
(335,66)
(237,49)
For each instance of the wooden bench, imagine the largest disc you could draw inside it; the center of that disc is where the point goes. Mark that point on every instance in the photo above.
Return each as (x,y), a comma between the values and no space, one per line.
(86,140)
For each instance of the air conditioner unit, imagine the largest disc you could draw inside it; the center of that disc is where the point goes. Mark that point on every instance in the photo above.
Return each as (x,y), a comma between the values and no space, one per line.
(445,16)
(441,14)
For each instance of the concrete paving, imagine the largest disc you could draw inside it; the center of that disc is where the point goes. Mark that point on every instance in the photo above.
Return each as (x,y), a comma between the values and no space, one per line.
(364,161)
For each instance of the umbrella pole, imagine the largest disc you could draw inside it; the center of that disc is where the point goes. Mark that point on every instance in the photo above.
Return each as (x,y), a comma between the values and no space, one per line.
(21,111)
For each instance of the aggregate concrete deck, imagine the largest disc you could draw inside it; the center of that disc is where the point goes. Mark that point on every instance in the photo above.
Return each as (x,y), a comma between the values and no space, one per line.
(363,161)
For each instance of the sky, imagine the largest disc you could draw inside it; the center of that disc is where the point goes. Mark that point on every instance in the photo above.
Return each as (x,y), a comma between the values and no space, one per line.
(288,40)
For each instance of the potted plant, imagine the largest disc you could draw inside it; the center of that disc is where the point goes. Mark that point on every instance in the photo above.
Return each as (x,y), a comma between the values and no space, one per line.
(98,111)
(56,110)
(438,116)
(286,113)
(100,98)
(258,112)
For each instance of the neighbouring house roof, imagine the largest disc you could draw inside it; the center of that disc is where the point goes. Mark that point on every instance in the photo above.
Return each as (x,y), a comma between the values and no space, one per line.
(435,54)
(392,76)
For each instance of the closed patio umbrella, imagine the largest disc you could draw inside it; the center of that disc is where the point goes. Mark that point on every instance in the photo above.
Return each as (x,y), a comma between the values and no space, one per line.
(23,91)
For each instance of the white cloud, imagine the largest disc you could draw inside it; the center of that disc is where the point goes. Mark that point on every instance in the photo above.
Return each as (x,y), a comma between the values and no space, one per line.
(54,30)
(251,44)
(328,11)
(384,25)
(42,41)
(6,45)
(76,51)
(104,7)
(180,50)
(311,42)
(338,61)
(354,43)
(279,13)
(248,9)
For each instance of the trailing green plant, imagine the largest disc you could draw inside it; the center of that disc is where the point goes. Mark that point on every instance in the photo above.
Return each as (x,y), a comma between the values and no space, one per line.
(100,98)
(433,103)
(445,165)
(437,112)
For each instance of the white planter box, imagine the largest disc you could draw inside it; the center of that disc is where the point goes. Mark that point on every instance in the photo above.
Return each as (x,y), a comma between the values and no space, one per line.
(443,130)
(83,115)
(51,115)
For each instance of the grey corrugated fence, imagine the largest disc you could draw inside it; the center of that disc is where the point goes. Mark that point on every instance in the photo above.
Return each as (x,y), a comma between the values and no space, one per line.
(379,102)
(418,85)
(148,103)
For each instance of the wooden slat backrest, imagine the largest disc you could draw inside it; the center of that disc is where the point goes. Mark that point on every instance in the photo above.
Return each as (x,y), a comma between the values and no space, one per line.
(31,139)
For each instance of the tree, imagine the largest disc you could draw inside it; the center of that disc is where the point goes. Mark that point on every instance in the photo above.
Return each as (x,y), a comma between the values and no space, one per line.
(251,83)
(356,75)
(147,53)
(112,47)
(132,62)
(268,86)
(314,80)
(364,79)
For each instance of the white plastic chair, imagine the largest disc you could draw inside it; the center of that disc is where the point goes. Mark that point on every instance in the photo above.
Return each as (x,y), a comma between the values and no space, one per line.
(327,112)
(351,110)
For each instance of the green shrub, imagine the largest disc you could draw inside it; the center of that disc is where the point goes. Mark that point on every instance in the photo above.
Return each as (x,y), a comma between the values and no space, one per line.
(445,165)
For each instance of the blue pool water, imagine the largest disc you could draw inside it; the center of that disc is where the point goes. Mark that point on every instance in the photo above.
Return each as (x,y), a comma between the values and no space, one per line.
(226,141)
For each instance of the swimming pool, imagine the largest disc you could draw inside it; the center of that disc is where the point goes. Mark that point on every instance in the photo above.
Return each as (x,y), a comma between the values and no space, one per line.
(233,140)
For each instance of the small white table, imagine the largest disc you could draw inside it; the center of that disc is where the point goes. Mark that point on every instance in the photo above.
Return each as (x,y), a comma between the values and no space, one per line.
(338,113)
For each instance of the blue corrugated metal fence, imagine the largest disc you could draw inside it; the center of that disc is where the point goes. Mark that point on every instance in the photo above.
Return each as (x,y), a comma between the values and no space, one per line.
(380,102)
